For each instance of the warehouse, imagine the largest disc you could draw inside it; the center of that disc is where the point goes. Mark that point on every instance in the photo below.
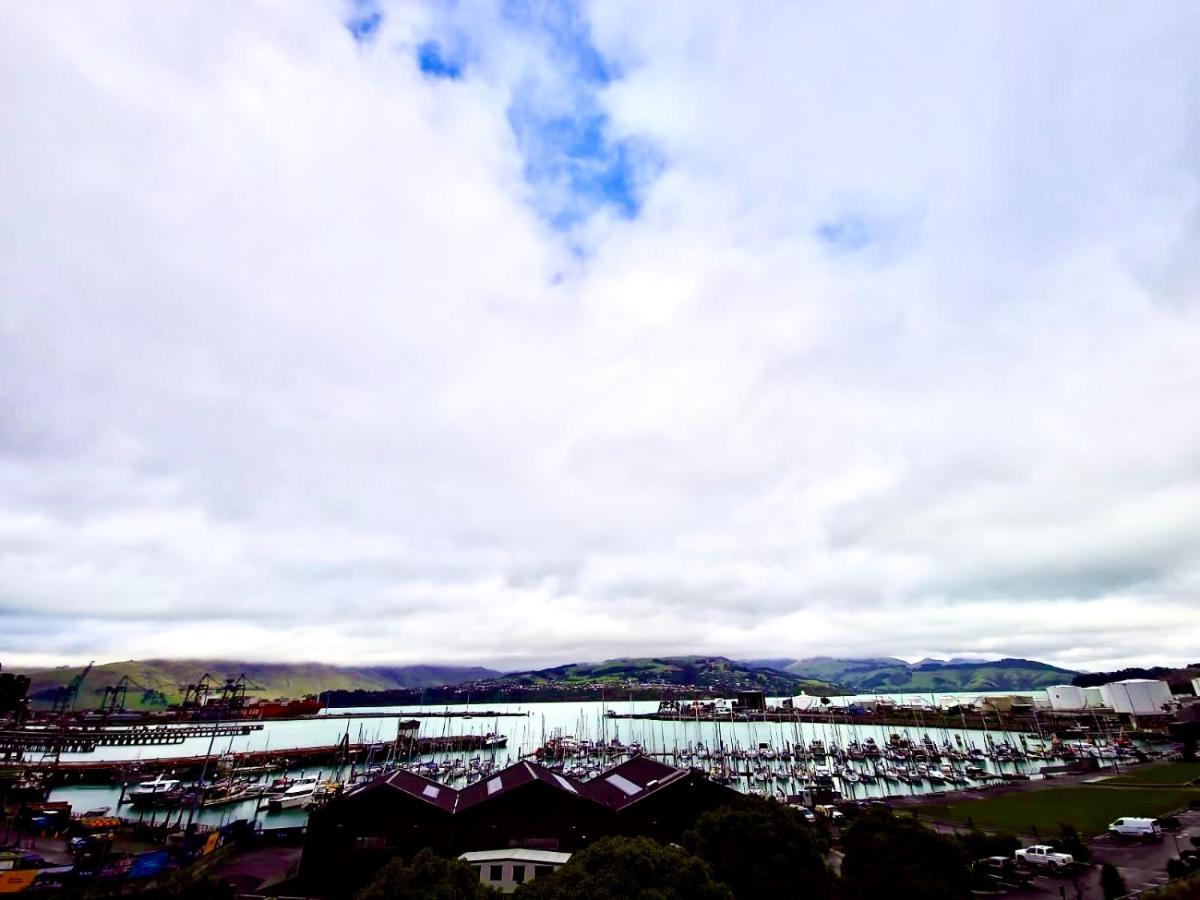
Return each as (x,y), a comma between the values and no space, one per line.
(523,806)
(1138,697)
(1066,697)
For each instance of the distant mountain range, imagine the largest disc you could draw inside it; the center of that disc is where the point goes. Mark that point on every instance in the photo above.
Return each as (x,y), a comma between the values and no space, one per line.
(158,682)
(646,678)
(161,682)
(890,675)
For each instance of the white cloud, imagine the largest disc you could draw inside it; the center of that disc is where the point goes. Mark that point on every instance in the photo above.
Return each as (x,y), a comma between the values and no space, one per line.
(899,355)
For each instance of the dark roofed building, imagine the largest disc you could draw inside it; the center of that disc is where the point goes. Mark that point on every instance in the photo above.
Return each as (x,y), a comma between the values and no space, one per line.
(526,805)
(352,837)
(656,800)
(523,806)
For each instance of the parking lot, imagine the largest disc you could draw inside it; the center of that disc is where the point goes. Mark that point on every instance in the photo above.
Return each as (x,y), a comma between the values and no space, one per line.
(1143,865)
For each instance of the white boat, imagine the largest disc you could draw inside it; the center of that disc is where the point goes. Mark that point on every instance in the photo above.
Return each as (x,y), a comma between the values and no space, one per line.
(297,796)
(150,791)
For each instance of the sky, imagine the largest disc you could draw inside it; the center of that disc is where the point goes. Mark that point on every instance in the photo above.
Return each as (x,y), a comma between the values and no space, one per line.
(523,333)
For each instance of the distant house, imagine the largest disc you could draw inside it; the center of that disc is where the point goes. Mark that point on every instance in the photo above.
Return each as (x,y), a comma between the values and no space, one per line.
(505,869)
(525,806)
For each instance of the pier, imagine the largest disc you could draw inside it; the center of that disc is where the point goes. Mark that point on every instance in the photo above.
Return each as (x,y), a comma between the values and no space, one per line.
(123,771)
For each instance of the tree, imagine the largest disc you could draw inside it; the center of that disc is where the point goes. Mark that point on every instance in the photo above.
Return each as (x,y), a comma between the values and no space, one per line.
(761,848)
(886,856)
(1069,841)
(981,845)
(632,868)
(426,876)
(1112,885)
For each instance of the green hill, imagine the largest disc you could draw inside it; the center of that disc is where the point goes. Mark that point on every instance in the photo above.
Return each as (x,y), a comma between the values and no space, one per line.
(714,672)
(160,682)
(887,675)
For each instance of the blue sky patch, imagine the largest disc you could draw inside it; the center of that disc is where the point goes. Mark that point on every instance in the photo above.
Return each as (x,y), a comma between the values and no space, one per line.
(574,163)
(433,60)
(845,235)
(364,20)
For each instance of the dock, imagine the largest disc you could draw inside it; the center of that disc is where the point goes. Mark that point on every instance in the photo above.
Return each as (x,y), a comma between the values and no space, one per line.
(183,767)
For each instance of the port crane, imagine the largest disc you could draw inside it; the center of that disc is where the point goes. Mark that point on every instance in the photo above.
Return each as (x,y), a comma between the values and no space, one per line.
(113,700)
(65,701)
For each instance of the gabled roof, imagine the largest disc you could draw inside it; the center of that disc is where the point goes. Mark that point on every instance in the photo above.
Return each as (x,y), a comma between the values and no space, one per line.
(615,789)
(631,781)
(511,778)
(424,789)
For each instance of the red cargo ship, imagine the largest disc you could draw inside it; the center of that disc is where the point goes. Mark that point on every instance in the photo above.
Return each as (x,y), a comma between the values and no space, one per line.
(285,709)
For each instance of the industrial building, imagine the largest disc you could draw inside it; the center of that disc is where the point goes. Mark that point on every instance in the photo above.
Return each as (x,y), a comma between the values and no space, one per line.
(1066,697)
(525,806)
(1137,697)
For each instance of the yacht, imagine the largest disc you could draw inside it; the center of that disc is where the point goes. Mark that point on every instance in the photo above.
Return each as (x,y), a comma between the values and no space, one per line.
(299,795)
(150,792)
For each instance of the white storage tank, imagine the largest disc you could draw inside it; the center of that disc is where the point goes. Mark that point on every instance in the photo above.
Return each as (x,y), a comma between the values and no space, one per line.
(1093,696)
(1137,696)
(1066,696)
(1196,686)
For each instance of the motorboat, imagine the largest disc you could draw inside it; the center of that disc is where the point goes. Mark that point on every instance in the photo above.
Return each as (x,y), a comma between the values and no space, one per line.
(298,796)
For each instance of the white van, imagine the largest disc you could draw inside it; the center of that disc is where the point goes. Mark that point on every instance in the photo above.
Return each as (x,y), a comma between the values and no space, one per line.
(1143,828)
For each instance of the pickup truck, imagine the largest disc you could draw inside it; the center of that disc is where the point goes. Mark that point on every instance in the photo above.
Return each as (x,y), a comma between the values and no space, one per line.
(1045,857)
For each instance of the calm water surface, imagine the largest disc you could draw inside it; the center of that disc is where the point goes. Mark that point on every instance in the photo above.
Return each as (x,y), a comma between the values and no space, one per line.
(529,730)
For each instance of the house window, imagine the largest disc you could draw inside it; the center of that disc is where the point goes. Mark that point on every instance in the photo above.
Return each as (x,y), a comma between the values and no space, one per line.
(518,874)
(370,842)
(540,871)
(495,873)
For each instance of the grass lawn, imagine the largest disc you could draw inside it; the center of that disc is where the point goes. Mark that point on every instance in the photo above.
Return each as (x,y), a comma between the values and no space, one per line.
(1168,773)
(1088,807)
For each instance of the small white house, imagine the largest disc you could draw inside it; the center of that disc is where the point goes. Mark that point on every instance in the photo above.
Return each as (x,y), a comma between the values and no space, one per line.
(505,869)
(1137,696)
(1066,696)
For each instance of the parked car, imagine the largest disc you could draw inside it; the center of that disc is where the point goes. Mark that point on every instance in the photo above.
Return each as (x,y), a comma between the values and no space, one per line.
(1045,857)
(999,871)
(1147,829)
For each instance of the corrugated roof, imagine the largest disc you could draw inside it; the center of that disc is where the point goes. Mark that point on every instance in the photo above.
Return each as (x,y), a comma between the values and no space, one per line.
(510,779)
(422,788)
(617,788)
(631,781)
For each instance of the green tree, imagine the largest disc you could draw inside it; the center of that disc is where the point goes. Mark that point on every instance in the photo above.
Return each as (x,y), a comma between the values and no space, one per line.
(426,876)
(981,845)
(1112,885)
(629,868)
(1069,841)
(761,848)
(886,856)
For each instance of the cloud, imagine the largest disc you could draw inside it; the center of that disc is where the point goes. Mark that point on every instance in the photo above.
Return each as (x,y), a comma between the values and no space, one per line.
(521,334)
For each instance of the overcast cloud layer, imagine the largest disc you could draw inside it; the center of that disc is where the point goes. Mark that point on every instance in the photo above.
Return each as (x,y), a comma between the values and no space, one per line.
(517,335)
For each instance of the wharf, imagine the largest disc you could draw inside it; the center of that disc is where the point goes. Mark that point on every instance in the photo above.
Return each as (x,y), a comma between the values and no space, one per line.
(86,740)
(120,771)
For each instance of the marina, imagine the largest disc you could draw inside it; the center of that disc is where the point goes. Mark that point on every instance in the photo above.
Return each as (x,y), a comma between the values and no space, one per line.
(839,755)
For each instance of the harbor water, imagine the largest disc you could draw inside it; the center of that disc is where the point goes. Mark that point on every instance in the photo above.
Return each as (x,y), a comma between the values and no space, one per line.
(684,742)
